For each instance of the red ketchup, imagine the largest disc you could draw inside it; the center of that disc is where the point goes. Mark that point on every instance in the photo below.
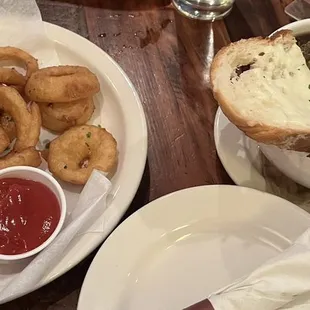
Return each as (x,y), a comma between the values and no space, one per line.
(29,213)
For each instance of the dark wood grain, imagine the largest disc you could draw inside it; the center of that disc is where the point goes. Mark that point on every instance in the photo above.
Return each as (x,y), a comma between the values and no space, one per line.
(167,57)
(66,15)
(255,18)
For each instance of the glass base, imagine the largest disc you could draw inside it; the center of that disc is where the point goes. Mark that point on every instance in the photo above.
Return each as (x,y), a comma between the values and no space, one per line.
(189,10)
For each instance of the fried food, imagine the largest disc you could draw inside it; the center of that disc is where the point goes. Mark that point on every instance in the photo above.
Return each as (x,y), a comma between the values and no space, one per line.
(21,57)
(8,125)
(27,118)
(44,154)
(27,157)
(59,117)
(64,101)
(73,155)
(35,127)
(61,84)
(10,76)
(26,128)
(4,140)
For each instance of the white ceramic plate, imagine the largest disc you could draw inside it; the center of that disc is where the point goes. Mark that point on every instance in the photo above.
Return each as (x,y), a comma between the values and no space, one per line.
(124,117)
(181,247)
(241,157)
(239,154)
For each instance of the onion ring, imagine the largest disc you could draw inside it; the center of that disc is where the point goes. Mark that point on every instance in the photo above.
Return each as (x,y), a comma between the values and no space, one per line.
(59,117)
(28,123)
(8,125)
(73,155)
(10,77)
(16,54)
(61,84)
(4,140)
(44,154)
(27,157)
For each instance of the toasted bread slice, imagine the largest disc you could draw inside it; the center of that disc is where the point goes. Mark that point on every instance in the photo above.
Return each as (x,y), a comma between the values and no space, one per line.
(263,87)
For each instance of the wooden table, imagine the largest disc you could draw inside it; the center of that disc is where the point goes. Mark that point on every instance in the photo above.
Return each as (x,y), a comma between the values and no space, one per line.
(167,57)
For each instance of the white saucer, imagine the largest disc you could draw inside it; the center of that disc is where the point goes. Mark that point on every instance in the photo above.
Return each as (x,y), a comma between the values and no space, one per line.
(241,157)
(181,247)
(239,154)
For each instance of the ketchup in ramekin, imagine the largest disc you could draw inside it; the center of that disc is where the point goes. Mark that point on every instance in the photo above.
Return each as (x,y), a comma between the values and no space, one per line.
(29,214)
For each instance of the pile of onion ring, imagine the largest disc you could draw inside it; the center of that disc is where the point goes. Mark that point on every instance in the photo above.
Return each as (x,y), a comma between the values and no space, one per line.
(61,99)
(64,95)
(27,126)
(17,118)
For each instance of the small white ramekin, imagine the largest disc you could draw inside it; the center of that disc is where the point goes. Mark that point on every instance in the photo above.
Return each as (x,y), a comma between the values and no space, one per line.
(43,177)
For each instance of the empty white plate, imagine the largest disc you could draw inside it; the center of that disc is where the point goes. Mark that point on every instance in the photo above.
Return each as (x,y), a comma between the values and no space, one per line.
(178,249)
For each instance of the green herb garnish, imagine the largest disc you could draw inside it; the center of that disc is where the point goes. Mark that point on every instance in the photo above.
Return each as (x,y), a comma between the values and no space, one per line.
(99,126)
(88,135)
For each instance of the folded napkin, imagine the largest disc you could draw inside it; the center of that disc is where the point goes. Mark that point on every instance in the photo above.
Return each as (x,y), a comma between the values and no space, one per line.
(281,283)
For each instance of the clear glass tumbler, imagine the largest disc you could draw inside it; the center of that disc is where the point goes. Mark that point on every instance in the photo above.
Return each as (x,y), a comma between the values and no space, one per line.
(204,9)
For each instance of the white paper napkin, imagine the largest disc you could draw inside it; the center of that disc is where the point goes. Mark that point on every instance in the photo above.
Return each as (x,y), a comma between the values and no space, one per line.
(21,26)
(281,283)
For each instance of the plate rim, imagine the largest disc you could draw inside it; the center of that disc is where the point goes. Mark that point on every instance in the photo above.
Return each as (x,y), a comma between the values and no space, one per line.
(154,204)
(98,238)
(256,183)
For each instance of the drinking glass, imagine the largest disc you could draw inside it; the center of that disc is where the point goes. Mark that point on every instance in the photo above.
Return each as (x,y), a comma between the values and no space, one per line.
(204,9)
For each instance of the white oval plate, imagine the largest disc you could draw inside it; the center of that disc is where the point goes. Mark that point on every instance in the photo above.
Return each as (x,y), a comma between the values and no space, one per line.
(183,246)
(238,153)
(124,117)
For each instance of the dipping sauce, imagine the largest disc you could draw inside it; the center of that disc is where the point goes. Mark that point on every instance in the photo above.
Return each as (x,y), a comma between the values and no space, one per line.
(29,214)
